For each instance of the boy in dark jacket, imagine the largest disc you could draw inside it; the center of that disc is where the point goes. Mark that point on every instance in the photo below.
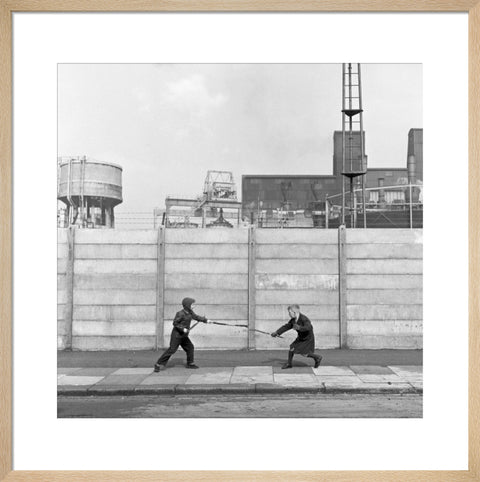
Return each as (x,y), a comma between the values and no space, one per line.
(179,336)
(304,344)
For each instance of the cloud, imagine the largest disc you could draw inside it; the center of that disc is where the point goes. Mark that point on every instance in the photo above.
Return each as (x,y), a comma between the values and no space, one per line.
(193,93)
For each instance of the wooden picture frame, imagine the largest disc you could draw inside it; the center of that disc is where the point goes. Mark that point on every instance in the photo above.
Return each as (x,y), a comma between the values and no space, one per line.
(8,7)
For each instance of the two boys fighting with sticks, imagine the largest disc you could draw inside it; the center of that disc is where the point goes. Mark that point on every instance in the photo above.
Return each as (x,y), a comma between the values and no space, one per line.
(304,344)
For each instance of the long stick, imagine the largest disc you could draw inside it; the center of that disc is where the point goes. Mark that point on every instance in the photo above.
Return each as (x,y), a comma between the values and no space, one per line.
(228,324)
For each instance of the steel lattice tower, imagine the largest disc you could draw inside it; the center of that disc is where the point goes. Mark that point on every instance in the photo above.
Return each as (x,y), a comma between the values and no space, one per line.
(353,140)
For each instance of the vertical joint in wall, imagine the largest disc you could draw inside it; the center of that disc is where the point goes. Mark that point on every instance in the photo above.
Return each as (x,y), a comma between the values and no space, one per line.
(251,288)
(68,317)
(342,287)
(160,297)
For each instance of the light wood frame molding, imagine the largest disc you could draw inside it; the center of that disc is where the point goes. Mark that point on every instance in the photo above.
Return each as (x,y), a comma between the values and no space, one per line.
(9,7)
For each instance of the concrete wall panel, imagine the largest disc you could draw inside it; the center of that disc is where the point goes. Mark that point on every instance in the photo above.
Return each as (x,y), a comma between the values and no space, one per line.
(385,297)
(107,343)
(213,312)
(202,236)
(394,236)
(384,266)
(114,297)
(385,328)
(297,266)
(384,251)
(386,281)
(62,235)
(187,281)
(314,312)
(267,281)
(120,281)
(299,297)
(61,266)
(294,236)
(116,236)
(385,312)
(220,266)
(107,266)
(116,251)
(297,251)
(207,296)
(117,328)
(62,250)
(195,251)
(113,313)
(377,342)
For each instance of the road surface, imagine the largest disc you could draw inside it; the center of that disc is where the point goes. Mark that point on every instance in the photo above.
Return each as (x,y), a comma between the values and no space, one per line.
(243,406)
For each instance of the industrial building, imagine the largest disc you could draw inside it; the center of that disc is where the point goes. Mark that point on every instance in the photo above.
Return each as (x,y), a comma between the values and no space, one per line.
(266,198)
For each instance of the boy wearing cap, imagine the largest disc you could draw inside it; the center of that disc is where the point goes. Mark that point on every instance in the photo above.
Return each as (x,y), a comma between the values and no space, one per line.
(179,336)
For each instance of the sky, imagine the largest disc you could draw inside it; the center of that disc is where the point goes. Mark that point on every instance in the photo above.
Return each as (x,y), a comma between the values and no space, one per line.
(168,124)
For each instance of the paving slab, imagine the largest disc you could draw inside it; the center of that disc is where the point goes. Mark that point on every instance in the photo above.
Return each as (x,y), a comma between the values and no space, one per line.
(210,378)
(296,379)
(369,378)
(412,369)
(339,379)
(133,371)
(371,369)
(252,379)
(160,379)
(94,372)
(117,380)
(336,371)
(254,370)
(78,381)
(294,369)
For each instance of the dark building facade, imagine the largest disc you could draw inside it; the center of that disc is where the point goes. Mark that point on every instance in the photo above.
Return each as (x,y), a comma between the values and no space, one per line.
(297,192)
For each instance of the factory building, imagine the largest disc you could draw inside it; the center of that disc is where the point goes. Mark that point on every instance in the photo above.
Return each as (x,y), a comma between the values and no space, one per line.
(268,193)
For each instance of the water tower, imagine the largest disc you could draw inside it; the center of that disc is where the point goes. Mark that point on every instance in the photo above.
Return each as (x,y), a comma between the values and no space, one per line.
(90,189)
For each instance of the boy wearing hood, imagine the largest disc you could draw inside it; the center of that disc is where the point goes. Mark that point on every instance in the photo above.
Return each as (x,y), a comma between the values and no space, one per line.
(179,336)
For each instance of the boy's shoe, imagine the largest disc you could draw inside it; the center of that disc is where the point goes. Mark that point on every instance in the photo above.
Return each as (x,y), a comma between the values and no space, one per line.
(287,365)
(318,360)
(157,367)
(192,365)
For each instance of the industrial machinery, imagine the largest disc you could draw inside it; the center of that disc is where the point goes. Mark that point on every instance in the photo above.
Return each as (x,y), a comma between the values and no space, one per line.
(217,202)
(90,189)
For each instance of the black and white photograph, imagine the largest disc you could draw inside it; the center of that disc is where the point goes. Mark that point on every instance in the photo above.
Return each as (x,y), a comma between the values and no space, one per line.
(240,240)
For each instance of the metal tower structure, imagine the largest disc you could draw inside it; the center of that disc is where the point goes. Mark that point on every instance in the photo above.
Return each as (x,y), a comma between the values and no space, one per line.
(353,140)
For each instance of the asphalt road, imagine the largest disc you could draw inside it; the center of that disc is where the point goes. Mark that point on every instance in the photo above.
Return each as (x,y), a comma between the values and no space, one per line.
(244,406)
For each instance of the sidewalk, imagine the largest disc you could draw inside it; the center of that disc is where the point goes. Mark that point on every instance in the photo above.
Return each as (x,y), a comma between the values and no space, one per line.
(131,373)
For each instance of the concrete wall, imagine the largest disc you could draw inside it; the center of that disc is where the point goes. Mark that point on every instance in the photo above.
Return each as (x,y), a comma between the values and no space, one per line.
(297,267)
(121,289)
(384,288)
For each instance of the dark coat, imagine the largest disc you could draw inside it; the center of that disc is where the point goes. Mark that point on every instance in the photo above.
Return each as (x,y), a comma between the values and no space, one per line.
(304,344)
(184,317)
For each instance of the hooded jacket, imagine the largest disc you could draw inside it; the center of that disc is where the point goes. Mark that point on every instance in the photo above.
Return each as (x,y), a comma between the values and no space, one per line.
(184,317)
